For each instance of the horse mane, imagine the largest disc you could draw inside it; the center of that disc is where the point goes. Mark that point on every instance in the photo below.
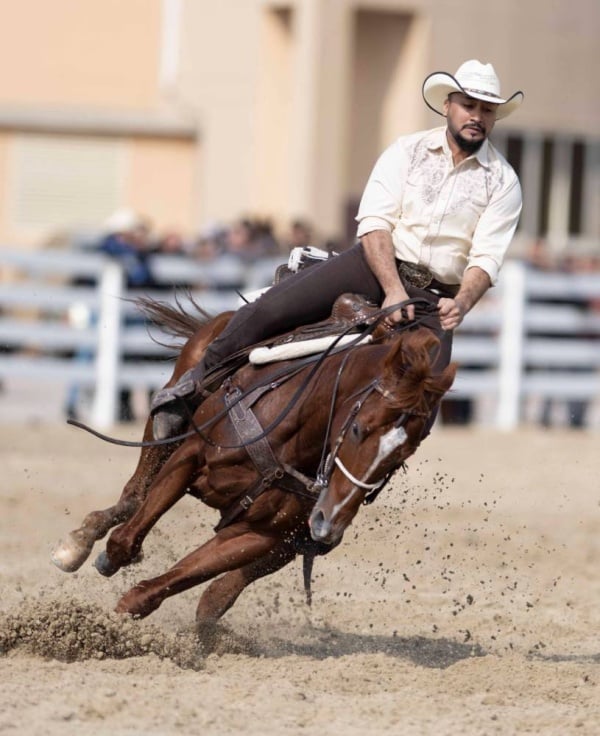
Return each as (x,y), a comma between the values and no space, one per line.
(408,376)
(176,320)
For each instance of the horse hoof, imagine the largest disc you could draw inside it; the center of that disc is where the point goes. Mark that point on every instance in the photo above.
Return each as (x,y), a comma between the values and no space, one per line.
(137,602)
(70,554)
(104,565)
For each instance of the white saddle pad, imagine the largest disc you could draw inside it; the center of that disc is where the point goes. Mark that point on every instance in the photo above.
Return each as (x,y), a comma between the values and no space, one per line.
(290,350)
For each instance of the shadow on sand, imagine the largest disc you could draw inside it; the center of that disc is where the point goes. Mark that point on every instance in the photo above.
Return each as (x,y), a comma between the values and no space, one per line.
(320,643)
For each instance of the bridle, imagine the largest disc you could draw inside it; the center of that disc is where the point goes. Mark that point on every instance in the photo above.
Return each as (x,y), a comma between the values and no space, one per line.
(332,459)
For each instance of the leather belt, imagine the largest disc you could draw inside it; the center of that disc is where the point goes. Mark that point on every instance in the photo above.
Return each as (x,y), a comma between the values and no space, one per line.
(421,278)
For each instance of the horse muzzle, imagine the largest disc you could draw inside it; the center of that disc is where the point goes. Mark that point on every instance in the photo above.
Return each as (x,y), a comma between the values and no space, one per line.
(323,529)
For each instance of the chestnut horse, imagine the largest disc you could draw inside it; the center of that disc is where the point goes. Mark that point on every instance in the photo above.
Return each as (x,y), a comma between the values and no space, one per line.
(361,413)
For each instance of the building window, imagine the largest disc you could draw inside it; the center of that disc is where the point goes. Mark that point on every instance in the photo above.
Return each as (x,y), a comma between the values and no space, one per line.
(64,180)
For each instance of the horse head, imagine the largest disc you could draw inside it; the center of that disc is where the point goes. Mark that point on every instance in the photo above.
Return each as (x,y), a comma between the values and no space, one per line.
(384,427)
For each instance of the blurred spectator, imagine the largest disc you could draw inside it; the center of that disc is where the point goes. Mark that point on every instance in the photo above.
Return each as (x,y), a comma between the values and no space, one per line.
(238,239)
(538,256)
(250,239)
(171,243)
(127,238)
(211,242)
(265,242)
(300,235)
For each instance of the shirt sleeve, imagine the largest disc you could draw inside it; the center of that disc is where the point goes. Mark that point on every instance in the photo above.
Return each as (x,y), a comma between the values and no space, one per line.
(496,228)
(381,202)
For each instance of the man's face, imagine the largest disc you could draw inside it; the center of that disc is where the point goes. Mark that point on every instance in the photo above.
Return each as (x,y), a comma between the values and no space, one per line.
(470,121)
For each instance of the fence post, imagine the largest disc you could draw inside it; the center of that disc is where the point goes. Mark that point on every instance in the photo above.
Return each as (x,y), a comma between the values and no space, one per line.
(108,353)
(512,335)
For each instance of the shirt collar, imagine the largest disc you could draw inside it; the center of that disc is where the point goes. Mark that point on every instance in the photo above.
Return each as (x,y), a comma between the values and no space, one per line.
(437,141)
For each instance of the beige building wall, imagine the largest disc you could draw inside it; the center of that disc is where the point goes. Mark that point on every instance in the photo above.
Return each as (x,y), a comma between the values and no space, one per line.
(548,49)
(298,98)
(86,123)
(161,180)
(92,53)
(207,110)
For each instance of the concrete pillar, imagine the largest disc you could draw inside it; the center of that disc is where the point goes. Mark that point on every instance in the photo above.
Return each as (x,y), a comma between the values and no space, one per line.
(306,29)
(531,180)
(322,31)
(560,191)
(591,191)
(170,44)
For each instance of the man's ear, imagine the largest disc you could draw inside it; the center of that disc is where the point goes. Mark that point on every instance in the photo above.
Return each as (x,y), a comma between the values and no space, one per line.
(446,105)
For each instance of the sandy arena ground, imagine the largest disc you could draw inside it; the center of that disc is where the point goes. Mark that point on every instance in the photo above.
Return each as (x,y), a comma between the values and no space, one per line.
(466,600)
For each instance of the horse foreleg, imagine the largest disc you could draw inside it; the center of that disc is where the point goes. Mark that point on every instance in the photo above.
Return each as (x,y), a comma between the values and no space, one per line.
(125,543)
(222,593)
(232,548)
(72,551)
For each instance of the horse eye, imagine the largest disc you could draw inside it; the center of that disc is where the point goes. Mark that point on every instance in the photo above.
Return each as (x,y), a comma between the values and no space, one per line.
(356,430)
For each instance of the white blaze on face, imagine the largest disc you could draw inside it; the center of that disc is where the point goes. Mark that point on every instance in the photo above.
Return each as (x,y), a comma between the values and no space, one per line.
(388,443)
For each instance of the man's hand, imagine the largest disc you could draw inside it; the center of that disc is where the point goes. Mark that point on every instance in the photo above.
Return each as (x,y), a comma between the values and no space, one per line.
(396,298)
(451,313)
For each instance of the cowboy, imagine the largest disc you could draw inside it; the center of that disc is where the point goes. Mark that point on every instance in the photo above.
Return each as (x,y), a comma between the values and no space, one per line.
(435,221)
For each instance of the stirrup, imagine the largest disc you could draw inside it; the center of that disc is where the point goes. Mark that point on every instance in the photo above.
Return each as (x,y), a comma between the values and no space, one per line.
(181,390)
(169,420)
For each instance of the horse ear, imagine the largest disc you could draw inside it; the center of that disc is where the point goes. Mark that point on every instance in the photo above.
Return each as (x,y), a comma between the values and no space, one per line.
(407,371)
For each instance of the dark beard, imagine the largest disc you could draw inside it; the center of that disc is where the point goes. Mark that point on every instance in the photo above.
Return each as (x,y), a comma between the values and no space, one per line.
(469,147)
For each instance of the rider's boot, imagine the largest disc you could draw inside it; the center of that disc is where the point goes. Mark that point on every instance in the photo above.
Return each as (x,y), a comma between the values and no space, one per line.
(172,407)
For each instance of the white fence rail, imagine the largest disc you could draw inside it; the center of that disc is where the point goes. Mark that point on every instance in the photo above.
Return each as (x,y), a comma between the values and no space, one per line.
(534,337)
(88,337)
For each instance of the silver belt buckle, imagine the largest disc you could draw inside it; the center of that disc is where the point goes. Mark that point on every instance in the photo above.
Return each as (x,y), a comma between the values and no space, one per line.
(415,274)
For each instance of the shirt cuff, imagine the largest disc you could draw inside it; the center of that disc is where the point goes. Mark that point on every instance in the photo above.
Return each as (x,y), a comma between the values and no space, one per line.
(368,224)
(487,264)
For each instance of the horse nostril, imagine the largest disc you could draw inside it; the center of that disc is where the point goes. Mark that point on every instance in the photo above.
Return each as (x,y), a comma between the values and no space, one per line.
(319,526)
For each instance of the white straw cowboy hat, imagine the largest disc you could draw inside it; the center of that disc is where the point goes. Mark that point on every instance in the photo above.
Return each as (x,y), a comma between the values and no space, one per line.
(473,79)
(122,221)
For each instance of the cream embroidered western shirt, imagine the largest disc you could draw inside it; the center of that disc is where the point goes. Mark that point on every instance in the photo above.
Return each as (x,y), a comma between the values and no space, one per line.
(445,217)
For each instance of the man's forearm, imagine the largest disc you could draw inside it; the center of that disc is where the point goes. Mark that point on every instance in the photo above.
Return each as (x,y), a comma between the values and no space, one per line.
(379,252)
(474,285)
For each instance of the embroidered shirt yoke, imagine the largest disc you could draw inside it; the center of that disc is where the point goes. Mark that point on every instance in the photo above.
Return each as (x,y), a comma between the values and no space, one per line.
(445,217)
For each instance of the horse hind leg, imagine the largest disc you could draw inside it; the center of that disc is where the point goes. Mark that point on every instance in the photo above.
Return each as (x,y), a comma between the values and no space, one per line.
(74,549)
(125,542)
